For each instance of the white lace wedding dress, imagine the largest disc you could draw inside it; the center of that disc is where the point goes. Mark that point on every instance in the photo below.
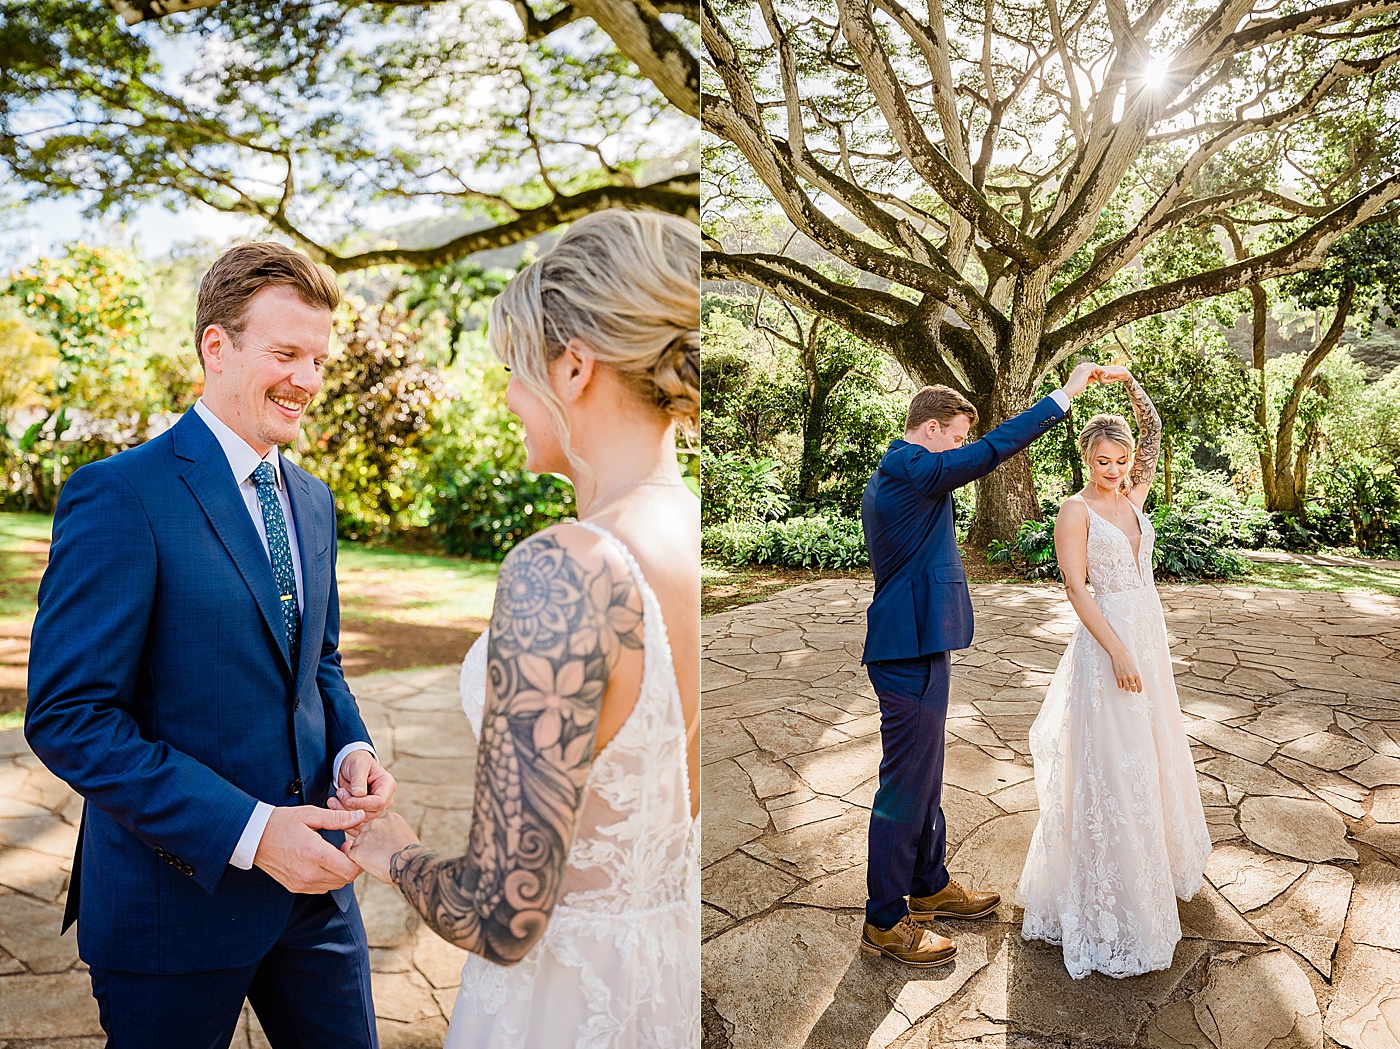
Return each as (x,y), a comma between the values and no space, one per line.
(618,966)
(1121,831)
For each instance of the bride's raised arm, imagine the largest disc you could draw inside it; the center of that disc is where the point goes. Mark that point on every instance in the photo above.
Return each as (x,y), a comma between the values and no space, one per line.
(1149,438)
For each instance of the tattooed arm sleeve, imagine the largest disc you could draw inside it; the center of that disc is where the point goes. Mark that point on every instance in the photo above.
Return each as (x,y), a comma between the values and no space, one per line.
(558,629)
(1149,442)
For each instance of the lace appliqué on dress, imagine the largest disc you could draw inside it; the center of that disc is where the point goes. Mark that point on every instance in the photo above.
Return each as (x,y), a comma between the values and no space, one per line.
(1121,832)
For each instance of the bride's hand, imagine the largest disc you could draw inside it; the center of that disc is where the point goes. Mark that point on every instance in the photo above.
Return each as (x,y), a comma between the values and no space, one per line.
(1124,670)
(376,844)
(1115,373)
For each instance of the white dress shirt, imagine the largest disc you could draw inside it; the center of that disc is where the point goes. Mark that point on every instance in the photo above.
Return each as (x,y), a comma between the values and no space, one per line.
(243,460)
(1061,398)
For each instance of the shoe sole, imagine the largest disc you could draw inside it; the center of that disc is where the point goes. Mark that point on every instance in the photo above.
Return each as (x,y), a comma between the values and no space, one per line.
(923,916)
(870,948)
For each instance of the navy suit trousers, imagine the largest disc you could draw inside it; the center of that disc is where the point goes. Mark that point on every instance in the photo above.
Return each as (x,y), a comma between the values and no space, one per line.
(311,991)
(908,836)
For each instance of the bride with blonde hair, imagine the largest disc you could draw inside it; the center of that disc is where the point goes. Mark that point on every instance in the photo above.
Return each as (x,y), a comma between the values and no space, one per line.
(1122,834)
(579,895)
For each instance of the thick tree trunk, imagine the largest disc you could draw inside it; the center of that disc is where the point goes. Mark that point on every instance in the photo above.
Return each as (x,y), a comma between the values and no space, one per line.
(1076,465)
(1261,404)
(813,433)
(1290,474)
(1005,500)
(1006,497)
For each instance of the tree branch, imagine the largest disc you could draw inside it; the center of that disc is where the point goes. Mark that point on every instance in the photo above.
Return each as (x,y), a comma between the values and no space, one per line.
(1111,258)
(850,307)
(675,196)
(738,119)
(1271,32)
(1304,253)
(933,167)
(635,26)
(133,11)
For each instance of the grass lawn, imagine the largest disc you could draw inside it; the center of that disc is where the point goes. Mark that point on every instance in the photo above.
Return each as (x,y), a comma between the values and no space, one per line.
(1340,579)
(398,609)
(24,551)
(427,589)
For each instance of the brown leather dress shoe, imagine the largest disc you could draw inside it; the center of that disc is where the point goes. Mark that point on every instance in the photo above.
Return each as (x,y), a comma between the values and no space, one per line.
(953,901)
(908,943)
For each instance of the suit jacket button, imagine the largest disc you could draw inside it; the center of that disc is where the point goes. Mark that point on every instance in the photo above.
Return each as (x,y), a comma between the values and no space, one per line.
(295,788)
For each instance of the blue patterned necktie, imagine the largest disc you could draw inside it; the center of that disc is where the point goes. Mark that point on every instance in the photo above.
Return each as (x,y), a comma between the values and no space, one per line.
(265,478)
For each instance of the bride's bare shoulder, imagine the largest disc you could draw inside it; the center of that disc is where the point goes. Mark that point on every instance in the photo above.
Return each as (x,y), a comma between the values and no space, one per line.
(1073,511)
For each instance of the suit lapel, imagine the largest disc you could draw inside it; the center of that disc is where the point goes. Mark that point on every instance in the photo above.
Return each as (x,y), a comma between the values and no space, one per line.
(211,482)
(314,578)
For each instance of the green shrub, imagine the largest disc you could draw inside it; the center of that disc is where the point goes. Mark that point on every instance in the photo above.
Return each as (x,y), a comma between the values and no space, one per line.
(1035,545)
(1190,544)
(1369,495)
(736,487)
(734,542)
(475,493)
(366,439)
(1193,544)
(484,511)
(800,542)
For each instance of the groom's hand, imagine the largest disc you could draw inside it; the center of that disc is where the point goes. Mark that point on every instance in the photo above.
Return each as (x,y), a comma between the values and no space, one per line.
(1081,377)
(363,785)
(297,857)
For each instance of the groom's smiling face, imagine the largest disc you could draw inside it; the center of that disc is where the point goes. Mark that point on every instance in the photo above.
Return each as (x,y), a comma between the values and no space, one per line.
(260,381)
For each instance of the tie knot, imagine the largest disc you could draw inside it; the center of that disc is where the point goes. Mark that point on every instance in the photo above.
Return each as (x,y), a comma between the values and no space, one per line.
(264,475)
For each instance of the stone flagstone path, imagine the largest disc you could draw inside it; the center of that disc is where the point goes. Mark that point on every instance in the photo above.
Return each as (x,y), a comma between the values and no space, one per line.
(416,720)
(1292,701)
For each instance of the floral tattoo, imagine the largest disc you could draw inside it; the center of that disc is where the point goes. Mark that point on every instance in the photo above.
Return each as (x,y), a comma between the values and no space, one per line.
(1149,443)
(557,631)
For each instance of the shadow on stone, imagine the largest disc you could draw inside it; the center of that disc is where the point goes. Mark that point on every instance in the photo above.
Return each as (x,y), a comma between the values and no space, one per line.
(879,999)
(1043,1001)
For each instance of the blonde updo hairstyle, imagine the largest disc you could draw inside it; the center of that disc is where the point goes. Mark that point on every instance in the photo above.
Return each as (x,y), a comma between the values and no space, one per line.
(626,283)
(1102,428)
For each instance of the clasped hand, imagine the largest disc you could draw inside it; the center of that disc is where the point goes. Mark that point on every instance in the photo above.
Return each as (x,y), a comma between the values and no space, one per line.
(300,859)
(1089,372)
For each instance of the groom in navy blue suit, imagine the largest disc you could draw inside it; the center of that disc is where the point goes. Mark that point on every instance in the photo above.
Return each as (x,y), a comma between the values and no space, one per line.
(921,612)
(184,678)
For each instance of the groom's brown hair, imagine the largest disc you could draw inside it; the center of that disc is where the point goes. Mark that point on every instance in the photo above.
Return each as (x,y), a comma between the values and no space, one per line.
(243,271)
(941,403)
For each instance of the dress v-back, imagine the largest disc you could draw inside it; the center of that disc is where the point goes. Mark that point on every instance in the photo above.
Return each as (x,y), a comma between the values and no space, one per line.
(1122,832)
(618,966)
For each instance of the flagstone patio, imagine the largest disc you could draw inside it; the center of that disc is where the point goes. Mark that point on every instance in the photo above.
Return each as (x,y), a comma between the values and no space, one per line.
(1292,701)
(416,721)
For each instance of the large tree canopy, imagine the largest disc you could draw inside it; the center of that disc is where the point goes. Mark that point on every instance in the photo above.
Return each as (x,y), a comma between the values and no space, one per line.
(1012,182)
(301,115)
(636,26)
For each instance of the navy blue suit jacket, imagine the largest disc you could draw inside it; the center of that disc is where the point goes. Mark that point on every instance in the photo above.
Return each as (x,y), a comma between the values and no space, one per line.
(921,603)
(161,690)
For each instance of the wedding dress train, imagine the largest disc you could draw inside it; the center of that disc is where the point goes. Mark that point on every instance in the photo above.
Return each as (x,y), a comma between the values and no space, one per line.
(618,966)
(1121,833)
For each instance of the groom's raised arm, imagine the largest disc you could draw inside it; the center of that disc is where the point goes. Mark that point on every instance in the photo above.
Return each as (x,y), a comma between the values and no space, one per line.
(88,643)
(936,473)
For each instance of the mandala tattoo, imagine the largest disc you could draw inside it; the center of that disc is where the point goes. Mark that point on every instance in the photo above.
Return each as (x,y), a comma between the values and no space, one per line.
(557,632)
(1149,443)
